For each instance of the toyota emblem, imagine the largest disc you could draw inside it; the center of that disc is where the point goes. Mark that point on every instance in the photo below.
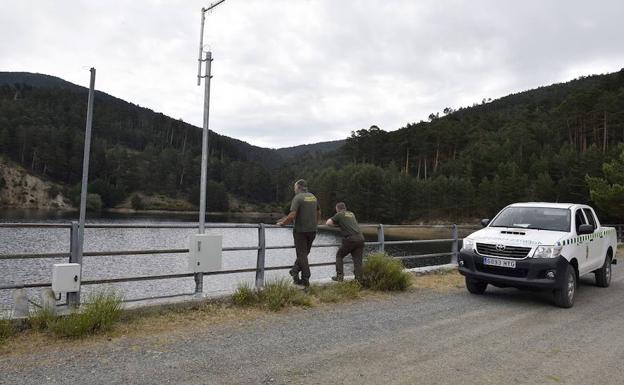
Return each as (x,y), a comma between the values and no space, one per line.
(500,247)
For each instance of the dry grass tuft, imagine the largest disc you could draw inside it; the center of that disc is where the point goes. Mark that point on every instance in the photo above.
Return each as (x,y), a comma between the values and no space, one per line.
(439,280)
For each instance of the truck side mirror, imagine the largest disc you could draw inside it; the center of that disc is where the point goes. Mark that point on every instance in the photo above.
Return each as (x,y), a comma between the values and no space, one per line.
(485,222)
(585,229)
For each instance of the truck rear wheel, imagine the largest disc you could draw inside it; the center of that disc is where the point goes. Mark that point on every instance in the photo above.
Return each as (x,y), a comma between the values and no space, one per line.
(564,295)
(475,286)
(603,275)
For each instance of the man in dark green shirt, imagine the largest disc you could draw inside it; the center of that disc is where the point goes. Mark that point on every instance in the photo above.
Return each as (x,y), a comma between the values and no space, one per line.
(352,241)
(305,212)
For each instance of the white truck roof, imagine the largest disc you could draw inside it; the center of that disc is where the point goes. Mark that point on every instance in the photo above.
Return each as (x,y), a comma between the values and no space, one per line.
(545,204)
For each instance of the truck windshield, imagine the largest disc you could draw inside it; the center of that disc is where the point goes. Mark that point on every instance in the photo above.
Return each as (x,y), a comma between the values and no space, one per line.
(542,218)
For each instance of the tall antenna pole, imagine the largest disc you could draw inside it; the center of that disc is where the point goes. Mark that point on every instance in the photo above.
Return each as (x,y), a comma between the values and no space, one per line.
(199,277)
(204,158)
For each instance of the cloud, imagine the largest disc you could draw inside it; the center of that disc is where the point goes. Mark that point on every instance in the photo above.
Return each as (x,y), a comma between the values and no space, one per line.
(293,72)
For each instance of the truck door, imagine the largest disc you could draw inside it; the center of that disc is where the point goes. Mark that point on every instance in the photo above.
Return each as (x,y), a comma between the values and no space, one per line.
(581,249)
(596,256)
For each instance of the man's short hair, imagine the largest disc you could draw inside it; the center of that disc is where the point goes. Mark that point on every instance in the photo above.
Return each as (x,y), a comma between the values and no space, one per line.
(341,206)
(302,184)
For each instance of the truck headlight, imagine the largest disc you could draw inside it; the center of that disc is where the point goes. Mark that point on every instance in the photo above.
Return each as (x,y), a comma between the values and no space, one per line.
(468,244)
(547,252)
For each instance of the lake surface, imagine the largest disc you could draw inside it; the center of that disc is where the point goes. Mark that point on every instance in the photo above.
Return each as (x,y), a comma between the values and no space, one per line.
(51,240)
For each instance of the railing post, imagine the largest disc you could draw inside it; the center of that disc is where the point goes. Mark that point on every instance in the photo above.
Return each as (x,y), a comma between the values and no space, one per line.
(455,246)
(199,282)
(75,256)
(261,255)
(381,238)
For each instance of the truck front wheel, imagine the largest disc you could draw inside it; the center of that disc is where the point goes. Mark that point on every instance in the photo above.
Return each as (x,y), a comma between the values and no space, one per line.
(564,295)
(603,275)
(475,286)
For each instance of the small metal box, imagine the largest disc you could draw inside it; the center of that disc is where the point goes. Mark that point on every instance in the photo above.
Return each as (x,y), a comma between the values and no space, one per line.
(66,277)
(205,253)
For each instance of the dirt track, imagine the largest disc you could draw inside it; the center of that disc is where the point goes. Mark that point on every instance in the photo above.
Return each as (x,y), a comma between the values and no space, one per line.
(421,337)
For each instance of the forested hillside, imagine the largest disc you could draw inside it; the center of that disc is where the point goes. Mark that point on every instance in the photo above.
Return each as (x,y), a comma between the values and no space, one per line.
(464,163)
(531,146)
(42,122)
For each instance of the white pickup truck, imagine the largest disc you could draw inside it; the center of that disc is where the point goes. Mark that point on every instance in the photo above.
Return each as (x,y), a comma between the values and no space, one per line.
(539,245)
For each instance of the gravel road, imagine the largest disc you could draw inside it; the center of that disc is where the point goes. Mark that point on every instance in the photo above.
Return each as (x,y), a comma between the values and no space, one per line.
(422,337)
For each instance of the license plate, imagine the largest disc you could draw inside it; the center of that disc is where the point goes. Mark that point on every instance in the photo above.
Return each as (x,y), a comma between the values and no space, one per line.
(499,262)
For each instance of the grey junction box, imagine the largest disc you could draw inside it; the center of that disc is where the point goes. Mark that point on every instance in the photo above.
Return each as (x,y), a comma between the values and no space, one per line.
(66,277)
(205,253)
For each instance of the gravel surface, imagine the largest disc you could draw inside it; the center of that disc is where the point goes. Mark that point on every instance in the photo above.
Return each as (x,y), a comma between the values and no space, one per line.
(421,337)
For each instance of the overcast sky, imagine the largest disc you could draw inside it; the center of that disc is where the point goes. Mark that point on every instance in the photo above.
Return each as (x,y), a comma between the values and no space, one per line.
(290,72)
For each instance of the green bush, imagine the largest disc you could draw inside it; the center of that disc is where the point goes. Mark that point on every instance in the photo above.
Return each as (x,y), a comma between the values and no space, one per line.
(6,330)
(382,272)
(280,293)
(41,319)
(99,314)
(245,295)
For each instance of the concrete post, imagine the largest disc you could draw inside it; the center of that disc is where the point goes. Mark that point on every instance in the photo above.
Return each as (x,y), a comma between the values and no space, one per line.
(455,246)
(381,238)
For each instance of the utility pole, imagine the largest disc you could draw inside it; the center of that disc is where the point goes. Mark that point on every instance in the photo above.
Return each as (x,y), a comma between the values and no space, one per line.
(204,158)
(74,298)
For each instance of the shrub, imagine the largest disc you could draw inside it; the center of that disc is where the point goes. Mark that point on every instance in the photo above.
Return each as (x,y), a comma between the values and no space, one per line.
(6,330)
(279,293)
(99,315)
(245,295)
(382,272)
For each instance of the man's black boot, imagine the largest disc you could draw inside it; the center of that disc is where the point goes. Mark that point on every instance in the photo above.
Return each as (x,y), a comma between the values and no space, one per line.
(295,277)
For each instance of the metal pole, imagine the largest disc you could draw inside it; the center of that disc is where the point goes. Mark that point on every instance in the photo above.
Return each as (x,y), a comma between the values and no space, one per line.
(204,158)
(85,171)
(381,238)
(455,246)
(261,255)
(73,299)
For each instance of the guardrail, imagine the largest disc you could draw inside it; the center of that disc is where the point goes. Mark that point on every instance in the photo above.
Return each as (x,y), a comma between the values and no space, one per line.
(73,299)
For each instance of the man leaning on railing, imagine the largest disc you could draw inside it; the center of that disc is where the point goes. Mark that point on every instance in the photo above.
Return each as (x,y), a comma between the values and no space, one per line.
(352,241)
(304,212)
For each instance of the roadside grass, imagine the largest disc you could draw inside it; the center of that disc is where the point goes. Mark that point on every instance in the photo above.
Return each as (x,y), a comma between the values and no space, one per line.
(6,330)
(384,273)
(99,314)
(171,322)
(245,295)
(438,280)
(41,319)
(336,292)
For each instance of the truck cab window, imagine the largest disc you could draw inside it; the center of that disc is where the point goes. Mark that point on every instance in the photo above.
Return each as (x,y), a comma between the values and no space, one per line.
(590,217)
(579,219)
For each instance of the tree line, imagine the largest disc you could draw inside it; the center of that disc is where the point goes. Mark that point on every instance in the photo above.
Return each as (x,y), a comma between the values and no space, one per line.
(547,144)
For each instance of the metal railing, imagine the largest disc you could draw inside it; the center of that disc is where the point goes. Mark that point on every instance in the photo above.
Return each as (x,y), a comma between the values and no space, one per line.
(261,249)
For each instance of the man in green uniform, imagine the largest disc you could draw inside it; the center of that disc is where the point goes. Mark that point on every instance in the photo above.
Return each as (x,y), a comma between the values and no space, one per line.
(305,212)
(352,241)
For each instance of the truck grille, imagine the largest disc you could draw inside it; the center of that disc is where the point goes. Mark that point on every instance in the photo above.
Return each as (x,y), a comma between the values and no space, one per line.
(507,252)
